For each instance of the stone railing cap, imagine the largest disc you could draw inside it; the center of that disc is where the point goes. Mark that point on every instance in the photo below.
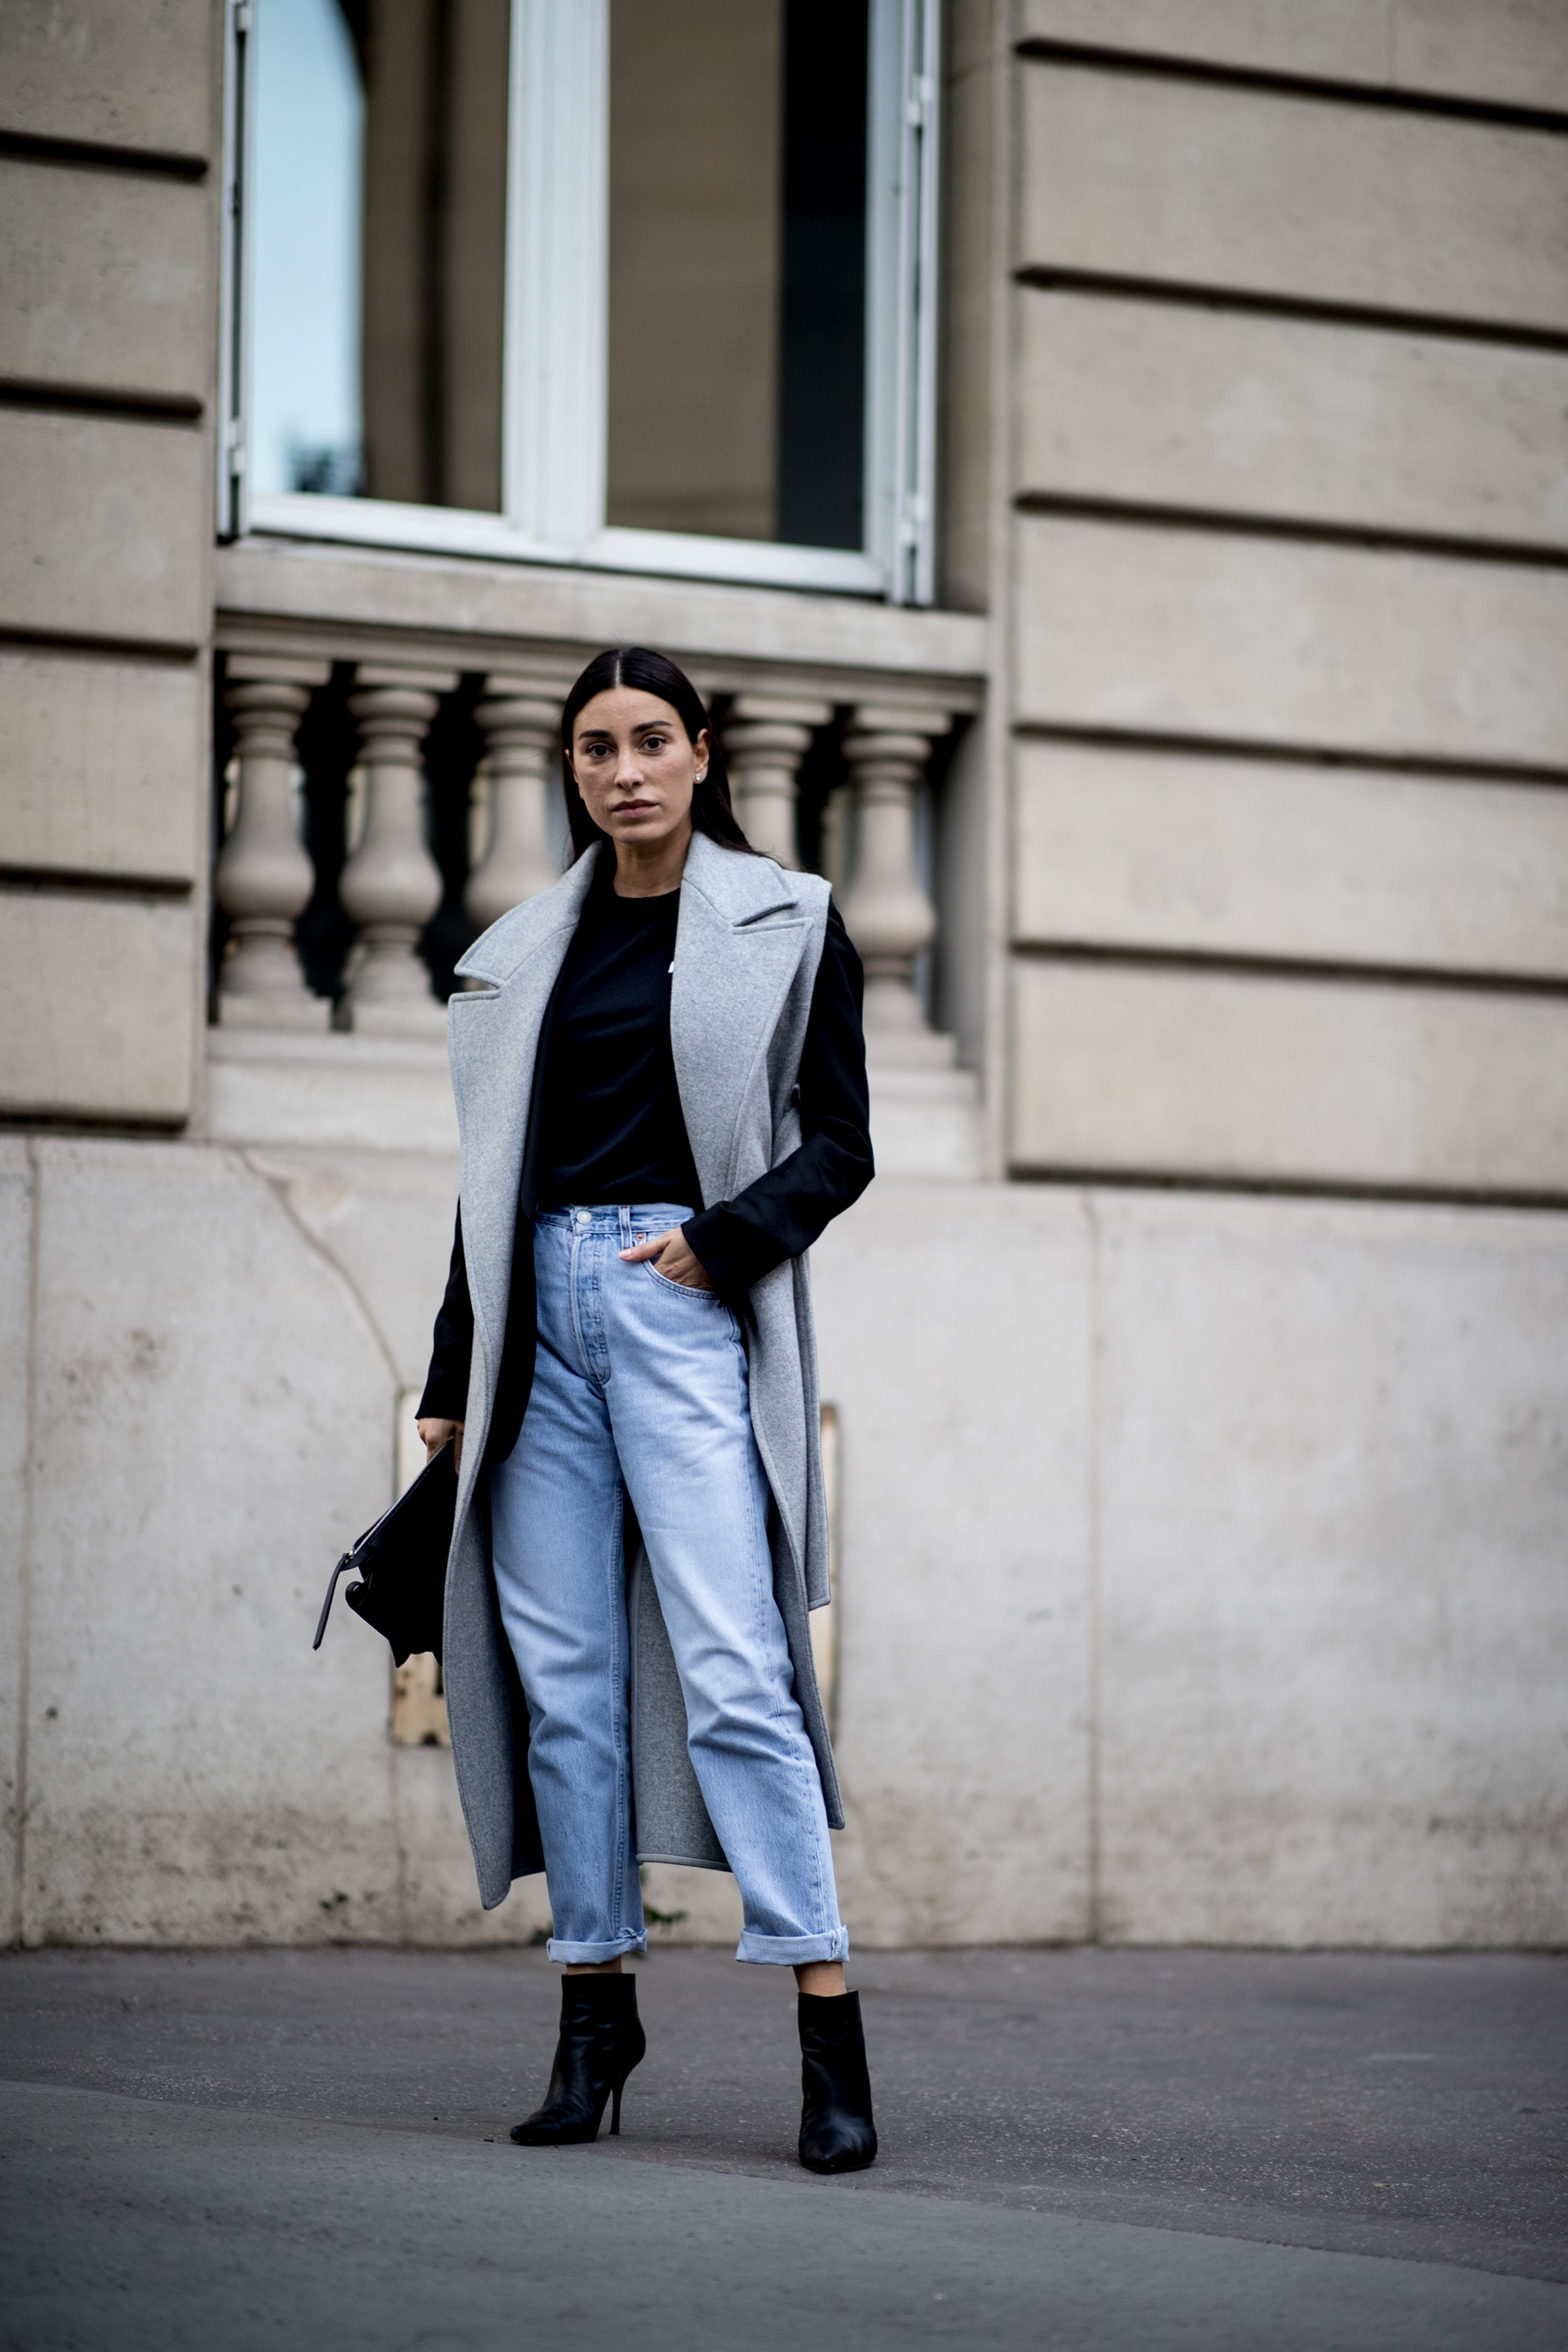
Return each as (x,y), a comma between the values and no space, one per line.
(414,676)
(275,669)
(796,710)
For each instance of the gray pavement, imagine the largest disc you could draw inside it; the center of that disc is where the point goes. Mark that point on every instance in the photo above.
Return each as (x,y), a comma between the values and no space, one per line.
(1108,2149)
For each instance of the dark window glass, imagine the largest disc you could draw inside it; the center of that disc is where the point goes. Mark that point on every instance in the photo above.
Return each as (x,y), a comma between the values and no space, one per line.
(737,267)
(822,355)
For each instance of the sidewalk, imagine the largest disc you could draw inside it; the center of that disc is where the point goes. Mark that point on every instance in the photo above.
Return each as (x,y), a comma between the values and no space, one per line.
(1098,2148)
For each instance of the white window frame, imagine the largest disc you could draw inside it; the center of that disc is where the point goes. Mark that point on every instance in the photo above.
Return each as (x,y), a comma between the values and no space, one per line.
(557,282)
(234,317)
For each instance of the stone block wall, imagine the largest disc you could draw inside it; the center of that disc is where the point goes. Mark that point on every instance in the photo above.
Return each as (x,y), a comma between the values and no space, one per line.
(109,244)
(1286,564)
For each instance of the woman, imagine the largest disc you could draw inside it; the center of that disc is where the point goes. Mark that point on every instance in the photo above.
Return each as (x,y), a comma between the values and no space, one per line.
(661,1093)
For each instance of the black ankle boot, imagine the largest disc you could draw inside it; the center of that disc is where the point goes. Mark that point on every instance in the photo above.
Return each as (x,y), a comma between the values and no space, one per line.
(837,2134)
(601,2041)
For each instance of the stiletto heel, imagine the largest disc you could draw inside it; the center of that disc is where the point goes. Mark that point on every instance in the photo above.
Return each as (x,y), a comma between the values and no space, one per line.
(601,2041)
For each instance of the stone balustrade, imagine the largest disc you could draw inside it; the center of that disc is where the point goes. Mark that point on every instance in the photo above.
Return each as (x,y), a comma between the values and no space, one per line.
(391,886)
(264,878)
(888,908)
(765,737)
(520,715)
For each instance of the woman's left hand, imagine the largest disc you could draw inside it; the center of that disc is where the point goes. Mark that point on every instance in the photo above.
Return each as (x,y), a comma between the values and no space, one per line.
(673,1257)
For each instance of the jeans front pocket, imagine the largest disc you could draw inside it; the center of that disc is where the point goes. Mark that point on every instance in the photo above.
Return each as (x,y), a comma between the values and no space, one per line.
(682,1289)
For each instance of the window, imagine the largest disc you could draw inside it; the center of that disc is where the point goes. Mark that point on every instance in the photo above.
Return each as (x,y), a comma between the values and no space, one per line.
(644,284)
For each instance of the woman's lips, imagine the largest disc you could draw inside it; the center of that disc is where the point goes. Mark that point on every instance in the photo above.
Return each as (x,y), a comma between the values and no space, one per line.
(633,808)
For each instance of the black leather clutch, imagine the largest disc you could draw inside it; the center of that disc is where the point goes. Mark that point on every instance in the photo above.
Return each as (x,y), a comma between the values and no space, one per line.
(402,1564)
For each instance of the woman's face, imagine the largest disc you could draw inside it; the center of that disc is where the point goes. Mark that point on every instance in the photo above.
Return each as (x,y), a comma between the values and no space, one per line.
(636,765)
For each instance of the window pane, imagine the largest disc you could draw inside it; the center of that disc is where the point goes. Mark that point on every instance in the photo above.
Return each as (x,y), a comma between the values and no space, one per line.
(737,267)
(822,362)
(304,416)
(379,196)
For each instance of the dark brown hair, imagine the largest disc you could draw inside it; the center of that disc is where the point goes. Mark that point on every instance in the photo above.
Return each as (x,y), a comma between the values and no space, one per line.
(652,674)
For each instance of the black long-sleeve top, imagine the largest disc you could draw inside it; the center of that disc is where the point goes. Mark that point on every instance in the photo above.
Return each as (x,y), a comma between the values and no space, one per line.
(608,1124)
(611,1128)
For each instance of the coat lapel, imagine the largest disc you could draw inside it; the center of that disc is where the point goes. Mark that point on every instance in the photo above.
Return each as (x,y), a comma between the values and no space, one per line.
(494,1044)
(739,940)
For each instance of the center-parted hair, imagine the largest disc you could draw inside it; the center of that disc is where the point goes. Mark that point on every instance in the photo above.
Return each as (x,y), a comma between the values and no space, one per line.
(650,672)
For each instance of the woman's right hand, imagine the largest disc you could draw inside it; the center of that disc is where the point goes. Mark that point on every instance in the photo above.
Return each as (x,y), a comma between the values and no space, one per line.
(436,1433)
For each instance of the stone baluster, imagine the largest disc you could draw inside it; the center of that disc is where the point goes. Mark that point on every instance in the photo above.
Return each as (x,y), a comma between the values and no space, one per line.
(886,909)
(766,737)
(522,719)
(264,876)
(392,886)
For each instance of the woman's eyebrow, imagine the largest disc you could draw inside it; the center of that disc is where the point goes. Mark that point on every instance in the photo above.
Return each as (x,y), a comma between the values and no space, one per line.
(603,734)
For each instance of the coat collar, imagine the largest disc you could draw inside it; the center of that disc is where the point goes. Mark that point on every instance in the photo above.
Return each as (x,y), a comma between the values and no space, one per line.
(737,889)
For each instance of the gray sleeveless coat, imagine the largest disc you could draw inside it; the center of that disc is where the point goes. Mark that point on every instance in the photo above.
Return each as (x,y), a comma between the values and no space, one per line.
(748,942)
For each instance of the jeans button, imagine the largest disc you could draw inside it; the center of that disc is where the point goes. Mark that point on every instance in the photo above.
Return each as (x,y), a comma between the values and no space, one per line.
(584,1218)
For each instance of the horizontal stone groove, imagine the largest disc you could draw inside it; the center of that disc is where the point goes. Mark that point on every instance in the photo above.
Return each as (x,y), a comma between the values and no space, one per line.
(68,882)
(1155,64)
(84,400)
(60,641)
(1297,755)
(1232,523)
(19,1120)
(1228,963)
(1258,302)
(1276,1188)
(101,155)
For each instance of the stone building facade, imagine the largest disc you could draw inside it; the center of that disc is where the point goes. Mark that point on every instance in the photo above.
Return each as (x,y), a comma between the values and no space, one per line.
(1197,1363)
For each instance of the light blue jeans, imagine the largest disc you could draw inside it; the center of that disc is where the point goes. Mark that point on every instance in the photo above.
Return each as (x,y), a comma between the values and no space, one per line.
(641,1380)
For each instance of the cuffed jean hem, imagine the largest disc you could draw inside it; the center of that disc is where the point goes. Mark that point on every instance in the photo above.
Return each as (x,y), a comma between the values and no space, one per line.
(793,1951)
(591,1955)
